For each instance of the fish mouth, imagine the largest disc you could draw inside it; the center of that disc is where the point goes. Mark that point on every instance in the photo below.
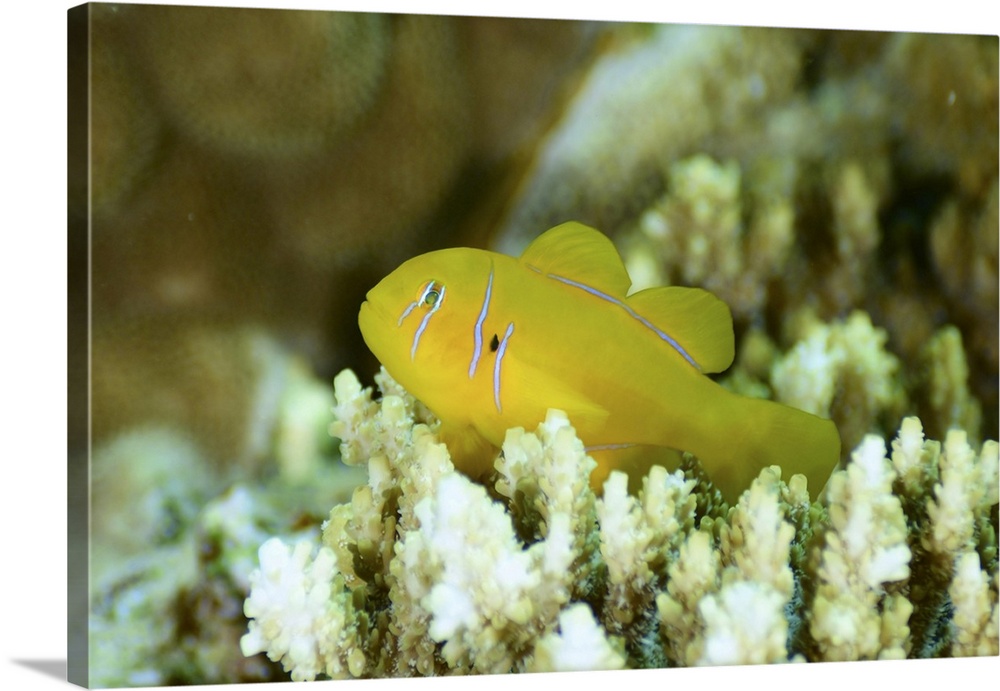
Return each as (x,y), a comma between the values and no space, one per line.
(370,298)
(369,316)
(365,309)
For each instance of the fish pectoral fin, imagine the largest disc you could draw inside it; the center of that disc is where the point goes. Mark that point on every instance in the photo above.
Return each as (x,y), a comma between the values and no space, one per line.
(583,413)
(578,252)
(539,391)
(696,319)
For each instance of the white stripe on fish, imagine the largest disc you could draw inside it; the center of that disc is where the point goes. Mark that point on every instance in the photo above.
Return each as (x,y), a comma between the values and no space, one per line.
(631,312)
(477,333)
(431,287)
(501,349)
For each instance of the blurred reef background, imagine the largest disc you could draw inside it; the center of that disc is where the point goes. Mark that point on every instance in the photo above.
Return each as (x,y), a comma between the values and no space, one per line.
(255,172)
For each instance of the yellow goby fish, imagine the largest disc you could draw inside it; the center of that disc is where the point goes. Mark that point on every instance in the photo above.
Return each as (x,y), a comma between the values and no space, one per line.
(489,342)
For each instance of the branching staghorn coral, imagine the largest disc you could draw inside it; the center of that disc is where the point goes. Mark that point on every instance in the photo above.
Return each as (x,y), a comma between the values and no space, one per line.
(976,617)
(301,613)
(852,617)
(756,540)
(732,227)
(745,622)
(959,493)
(727,605)
(945,384)
(841,370)
(951,492)
(425,572)
(696,235)
(581,644)
(428,573)
(487,597)
(639,537)
(543,476)
(962,516)
(692,576)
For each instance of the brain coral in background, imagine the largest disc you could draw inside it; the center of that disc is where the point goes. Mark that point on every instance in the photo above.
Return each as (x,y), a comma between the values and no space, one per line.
(256,171)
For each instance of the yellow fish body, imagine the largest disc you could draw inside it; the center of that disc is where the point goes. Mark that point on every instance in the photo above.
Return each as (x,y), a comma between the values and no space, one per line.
(489,342)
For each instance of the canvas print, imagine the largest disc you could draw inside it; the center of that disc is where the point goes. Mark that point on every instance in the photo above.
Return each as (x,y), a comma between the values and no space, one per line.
(415,345)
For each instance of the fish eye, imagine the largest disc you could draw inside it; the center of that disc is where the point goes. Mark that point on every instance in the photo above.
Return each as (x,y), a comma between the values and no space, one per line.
(432,294)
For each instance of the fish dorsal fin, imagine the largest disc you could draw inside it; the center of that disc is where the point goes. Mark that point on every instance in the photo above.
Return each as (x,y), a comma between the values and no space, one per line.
(577,252)
(695,319)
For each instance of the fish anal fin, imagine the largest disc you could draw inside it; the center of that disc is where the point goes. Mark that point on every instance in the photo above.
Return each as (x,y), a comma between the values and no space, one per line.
(540,391)
(635,460)
(471,453)
(580,253)
(695,319)
(527,393)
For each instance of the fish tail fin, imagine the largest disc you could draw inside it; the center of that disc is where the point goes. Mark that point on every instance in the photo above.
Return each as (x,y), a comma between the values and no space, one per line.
(762,433)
